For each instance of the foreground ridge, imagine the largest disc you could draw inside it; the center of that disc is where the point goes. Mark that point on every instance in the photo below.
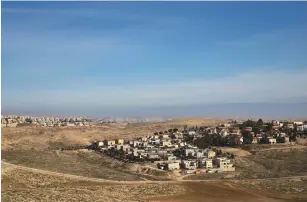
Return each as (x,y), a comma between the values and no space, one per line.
(78,177)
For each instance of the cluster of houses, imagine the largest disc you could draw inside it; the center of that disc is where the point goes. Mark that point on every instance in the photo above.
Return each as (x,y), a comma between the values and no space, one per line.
(13,121)
(170,150)
(279,132)
(300,125)
(166,151)
(195,160)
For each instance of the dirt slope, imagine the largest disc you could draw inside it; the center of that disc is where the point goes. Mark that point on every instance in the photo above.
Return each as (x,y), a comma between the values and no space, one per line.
(28,184)
(24,138)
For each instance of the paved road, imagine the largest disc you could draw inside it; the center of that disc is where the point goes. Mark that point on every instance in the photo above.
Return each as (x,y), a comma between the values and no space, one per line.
(180,179)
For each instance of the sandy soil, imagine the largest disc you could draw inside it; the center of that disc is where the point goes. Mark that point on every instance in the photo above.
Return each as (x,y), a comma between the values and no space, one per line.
(19,179)
(225,192)
(36,185)
(28,137)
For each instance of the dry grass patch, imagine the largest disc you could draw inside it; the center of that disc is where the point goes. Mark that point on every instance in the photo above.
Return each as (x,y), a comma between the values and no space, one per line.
(20,185)
(89,164)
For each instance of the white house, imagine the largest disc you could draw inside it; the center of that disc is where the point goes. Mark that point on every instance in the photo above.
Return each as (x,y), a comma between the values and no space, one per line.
(189,152)
(136,143)
(79,124)
(223,163)
(156,137)
(144,144)
(227,125)
(171,158)
(302,127)
(69,124)
(173,166)
(190,165)
(224,133)
(192,132)
(209,163)
(298,122)
(181,144)
(119,141)
(272,141)
(109,142)
(178,135)
(143,139)
(200,154)
(211,154)
(156,142)
(119,147)
(241,140)
(165,136)
(166,143)
(153,156)
(255,140)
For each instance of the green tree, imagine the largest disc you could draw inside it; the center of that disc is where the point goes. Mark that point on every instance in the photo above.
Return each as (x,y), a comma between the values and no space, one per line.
(295,128)
(185,128)
(269,127)
(249,123)
(259,122)
(256,130)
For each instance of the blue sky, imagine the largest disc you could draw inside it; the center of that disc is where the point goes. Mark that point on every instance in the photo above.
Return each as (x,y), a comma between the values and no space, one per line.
(107,58)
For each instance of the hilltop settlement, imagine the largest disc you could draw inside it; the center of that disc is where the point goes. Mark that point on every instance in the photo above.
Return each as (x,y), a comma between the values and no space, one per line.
(186,150)
(194,149)
(166,151)
(14,121)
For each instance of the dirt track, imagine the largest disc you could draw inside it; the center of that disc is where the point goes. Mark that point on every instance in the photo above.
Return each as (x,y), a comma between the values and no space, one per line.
(195,190)
(73,176)
(281,148)
(135,182)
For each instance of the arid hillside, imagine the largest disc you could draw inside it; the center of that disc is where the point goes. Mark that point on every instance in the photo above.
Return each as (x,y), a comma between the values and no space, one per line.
(23,185)
(28,137)
(196,121)
(34,170)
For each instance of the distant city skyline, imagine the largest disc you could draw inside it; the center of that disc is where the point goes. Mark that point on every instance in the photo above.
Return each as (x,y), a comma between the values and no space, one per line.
(129,59)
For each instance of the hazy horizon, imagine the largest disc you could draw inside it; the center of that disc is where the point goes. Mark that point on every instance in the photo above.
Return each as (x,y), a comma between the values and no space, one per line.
(210,59)
(224,111)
